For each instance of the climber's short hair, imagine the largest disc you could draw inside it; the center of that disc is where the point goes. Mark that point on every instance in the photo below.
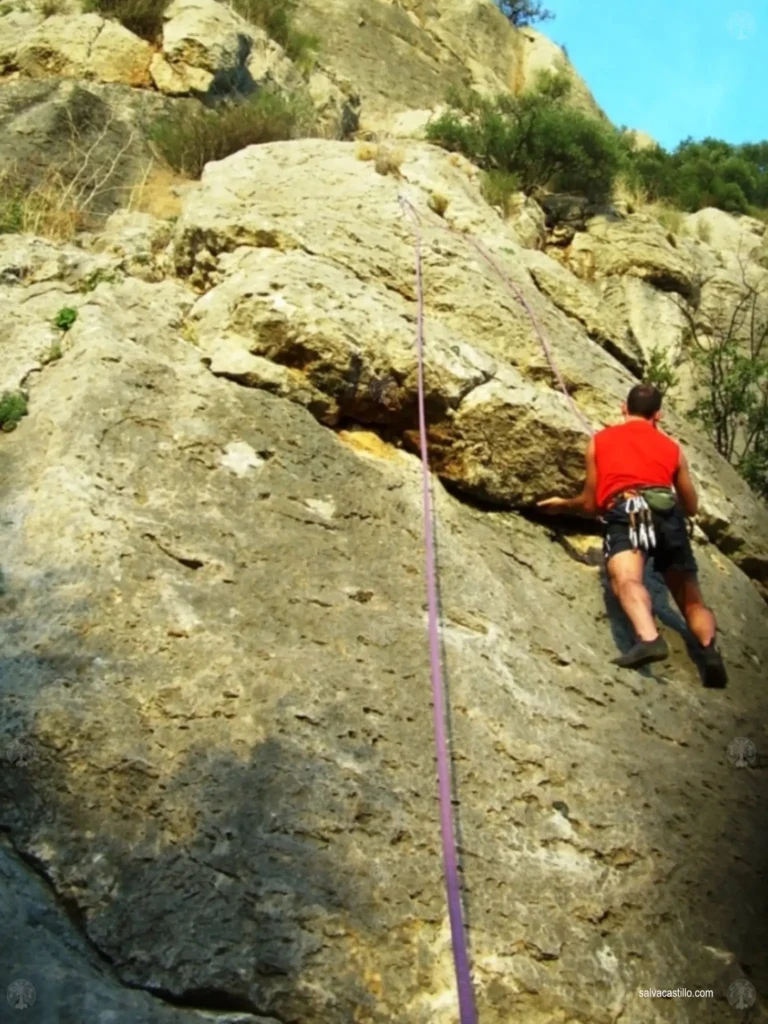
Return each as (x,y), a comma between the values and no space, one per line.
(643,400)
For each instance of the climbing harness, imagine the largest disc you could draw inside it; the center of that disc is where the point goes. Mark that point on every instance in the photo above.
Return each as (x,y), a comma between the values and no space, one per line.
(467,1011)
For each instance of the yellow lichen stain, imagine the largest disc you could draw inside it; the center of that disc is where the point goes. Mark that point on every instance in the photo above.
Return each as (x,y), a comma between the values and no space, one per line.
(368,443)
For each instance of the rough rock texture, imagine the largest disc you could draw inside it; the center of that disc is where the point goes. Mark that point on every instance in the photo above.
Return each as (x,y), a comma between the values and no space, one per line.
(431,45)
(85,46)
(214,680)
(349,261)
(59,131)
(215,719)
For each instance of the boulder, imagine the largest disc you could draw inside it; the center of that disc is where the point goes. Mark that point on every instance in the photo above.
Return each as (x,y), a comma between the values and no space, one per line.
(723,232)
(85,46)
(634,246)
(206,47)
(15,27)
(327,289)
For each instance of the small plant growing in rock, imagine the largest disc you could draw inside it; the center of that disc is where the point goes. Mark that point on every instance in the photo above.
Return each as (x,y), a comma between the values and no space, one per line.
(498,187)
(99,276)
(438,203)
(704,232)
(660,371)
(13,405)
(389,161)
(48,8)
(65,318)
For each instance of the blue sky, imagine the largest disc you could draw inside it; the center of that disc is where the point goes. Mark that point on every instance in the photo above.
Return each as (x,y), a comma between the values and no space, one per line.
(672,68)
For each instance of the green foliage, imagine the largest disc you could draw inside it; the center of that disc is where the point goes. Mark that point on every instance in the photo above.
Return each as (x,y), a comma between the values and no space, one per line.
(536,137)
(13,405)
(11,210)
(65,318)
(730,360)
(707,173)
(523,12)
(190,140)
(276,17)
(498,187)
(142,17)
(660,371)
(91,281)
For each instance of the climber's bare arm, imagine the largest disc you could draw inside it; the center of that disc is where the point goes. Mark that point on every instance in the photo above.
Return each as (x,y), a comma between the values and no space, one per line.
(584,503)
(685,488)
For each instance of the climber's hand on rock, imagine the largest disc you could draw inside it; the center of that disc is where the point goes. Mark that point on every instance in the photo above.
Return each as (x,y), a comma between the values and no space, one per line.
(552,505)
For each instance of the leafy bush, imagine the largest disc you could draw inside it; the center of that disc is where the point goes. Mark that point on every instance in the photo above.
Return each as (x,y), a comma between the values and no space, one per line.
(142,17)
(189,141)
(535,137)
(13,405)
(523,12)
(707,173)
(729,351)
(276,18)
(660,371)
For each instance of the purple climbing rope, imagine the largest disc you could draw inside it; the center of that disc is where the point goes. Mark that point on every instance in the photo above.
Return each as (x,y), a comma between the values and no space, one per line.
(467,1011)
(512,287)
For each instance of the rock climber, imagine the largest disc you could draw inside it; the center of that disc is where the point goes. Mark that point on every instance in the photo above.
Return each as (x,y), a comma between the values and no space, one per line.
(638,481)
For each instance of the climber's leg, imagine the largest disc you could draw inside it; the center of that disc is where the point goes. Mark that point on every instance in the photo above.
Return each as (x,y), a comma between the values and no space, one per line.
(685,589)
(625,572)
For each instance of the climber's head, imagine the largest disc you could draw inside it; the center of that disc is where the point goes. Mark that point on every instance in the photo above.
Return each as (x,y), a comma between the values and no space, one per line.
(643,402)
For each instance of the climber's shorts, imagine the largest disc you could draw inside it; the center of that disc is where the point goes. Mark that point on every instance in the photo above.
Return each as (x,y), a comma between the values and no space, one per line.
(673,546)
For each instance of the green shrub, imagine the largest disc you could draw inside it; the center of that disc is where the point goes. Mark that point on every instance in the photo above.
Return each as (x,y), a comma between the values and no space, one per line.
(707,173)
(729,350)
(13,405)
(660,371)
(523,12)
(142,17)
(276,18)
(498,187)
(190,140)
(65,318)
(536,137)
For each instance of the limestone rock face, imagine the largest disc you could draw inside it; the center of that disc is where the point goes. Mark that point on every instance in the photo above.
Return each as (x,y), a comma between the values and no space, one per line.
(214,679)
(630,246)
(431,45)
(217,795)
(53,131)
(85,46)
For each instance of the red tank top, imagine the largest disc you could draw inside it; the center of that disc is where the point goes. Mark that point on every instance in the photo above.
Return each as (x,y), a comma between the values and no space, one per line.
(633,454)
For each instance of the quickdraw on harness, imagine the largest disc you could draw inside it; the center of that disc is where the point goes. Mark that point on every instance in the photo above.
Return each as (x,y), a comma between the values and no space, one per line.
(641,532)
(467,1010)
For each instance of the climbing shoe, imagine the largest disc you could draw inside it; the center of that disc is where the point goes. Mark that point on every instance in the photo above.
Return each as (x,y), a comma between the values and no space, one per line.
(715,676)
(643,653)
